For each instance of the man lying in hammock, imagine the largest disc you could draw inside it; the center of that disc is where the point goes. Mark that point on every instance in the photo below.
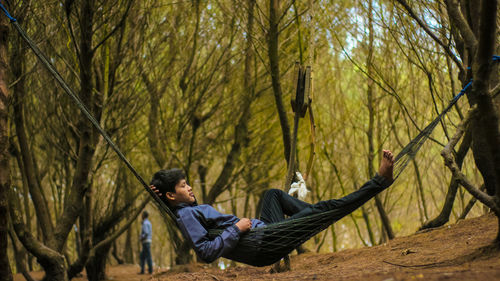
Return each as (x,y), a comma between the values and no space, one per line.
(194,220)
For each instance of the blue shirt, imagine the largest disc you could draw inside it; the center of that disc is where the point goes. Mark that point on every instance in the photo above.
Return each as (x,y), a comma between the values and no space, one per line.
(146,231)
(194,221)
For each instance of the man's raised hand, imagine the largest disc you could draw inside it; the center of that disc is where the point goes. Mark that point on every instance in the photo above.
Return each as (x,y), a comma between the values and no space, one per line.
(155,190)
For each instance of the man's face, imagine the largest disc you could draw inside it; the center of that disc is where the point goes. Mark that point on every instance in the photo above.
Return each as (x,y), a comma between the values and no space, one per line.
(183,193)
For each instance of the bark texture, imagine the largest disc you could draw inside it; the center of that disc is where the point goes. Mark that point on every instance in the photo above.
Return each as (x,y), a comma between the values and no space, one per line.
(5,271)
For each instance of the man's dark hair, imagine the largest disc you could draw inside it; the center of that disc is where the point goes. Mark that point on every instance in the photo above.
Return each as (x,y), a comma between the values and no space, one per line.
(145,214)
(166,180)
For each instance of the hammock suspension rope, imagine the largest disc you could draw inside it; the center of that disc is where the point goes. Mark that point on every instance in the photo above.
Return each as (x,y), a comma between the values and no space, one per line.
(48,65)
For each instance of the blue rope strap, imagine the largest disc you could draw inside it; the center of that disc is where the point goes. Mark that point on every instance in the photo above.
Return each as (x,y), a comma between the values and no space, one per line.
(495,58)
(462,92)
(12,19)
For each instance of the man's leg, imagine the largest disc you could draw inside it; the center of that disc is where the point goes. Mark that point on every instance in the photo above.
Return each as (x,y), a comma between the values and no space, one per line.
(275,204)
(141,258)
(351,202)
(348,203)
(148,257)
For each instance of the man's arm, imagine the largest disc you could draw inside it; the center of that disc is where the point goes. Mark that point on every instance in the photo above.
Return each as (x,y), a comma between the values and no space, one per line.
(143,231)
(208,250)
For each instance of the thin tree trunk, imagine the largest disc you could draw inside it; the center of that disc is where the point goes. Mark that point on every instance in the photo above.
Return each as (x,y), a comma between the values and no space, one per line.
(486,124)
(5,271)
(384,218)
(96,267)
(272,49)
(115,253)
(241,128)
(20,255)
(88,140)
(444,215)
(104,235)
(370,132)
(469,206)
(79,203)
(420,192)
(273,46)
(52,262)
(366,218)
(334,238)
(128,250)
(29,172)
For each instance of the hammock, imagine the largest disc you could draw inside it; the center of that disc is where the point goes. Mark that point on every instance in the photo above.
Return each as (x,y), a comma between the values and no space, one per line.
(264,245)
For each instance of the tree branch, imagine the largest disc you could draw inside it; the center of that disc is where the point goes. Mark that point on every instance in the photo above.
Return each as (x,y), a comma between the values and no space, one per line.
(240,135)
(432,35)
(35,247)
(116,28)
(447,154)
(119,232)
(82,260)
(460,22)
(495,91)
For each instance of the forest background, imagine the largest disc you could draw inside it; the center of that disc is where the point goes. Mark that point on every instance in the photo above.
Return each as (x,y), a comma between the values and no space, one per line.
(205,86)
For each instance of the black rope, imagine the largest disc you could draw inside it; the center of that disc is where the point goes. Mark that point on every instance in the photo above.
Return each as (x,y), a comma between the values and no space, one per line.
(411,149)
(48,65)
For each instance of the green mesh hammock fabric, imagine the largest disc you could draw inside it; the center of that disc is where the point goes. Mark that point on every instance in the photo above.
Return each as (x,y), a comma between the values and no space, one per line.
(266,245)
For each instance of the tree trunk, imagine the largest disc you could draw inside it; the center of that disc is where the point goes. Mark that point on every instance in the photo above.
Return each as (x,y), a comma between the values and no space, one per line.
(74,206)
(96,266)
(52,262)
(469,206)
(5,271)
(422,208)
(486,125)
(272,50)
(128,250)
(444,215)
(241,127)
(30,173)
(54,268)
(366,218)
(370,132)
(116,255)
(468,25)
(26,201)
(104,234)
(184,255)
(386,223)
(20,255)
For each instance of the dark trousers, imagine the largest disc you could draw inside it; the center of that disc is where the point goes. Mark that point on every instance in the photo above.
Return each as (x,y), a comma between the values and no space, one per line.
(276,203)
(146,256)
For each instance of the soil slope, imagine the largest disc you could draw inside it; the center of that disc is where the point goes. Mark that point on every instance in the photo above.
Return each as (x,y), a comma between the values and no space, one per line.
(460,251)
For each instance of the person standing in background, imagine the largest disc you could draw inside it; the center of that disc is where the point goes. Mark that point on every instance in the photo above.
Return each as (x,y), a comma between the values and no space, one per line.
(146,239)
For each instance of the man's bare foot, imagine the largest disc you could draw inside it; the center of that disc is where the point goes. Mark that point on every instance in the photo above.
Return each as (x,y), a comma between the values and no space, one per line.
(386,165)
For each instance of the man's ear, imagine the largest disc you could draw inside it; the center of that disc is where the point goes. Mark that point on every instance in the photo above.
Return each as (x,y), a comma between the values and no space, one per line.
(170,195)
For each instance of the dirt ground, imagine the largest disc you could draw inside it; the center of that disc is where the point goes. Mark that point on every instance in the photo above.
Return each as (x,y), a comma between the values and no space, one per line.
(460,251)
